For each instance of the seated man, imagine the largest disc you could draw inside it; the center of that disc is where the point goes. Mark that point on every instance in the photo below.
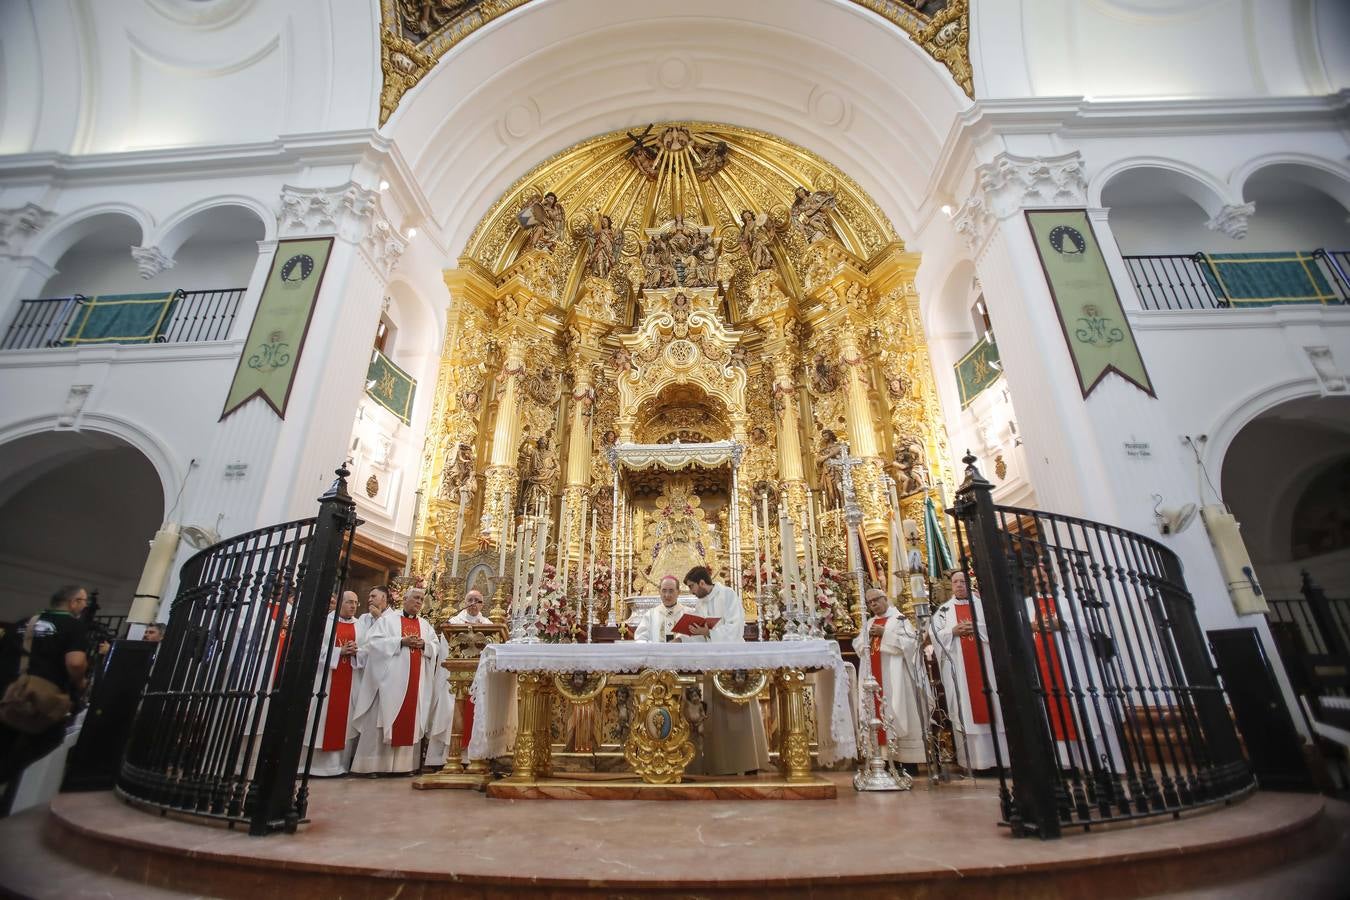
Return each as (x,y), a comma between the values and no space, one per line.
(442,699)
(472,613)
(656,623)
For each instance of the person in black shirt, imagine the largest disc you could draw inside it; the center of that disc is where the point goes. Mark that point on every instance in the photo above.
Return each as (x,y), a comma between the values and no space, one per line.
(60,645)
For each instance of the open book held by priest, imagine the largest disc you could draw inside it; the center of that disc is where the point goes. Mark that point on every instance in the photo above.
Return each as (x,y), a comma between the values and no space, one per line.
(688,620)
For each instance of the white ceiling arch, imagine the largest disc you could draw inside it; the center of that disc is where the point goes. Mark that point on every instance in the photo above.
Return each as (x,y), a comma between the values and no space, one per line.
(829,76)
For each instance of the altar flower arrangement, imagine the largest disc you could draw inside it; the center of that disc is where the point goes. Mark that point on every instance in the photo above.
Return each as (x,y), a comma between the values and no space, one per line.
(832,600)
(556,612)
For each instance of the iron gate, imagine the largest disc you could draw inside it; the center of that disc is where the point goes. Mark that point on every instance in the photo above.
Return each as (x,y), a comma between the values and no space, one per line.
(220,729)
(1110,702)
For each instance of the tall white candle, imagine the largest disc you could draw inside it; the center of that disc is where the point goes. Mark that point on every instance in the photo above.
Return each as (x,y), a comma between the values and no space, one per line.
(768,541)
(754,532)
(459,531)
(505,498)
(590,576)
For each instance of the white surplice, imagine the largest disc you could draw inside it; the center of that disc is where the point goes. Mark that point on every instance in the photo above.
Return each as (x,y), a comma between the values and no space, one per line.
(443,700)
(974,741)
(382,694)
(908,701)
(656,623)
(734,739)
(336,762)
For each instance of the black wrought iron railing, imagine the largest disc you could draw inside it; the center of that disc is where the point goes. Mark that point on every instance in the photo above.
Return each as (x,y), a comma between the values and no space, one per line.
(1193,281)
(205,315)
(1095,667)
(220,729)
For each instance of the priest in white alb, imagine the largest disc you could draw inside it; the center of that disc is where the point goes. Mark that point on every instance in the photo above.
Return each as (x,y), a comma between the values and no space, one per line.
(657,623)
(377,607)
(888,645)
(443,701)
(975,719)
(335,742)
(734,741)
(393,709)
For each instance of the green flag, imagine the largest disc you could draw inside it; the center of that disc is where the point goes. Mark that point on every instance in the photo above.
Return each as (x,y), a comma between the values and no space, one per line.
(1095,327)
(939,556)
(272,351)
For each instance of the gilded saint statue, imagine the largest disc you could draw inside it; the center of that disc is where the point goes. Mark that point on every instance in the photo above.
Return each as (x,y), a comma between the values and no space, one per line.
(537,470)
(810,213)
(603,246)
(829,473)
(543,222)
(459,481)
(712,158)
(754,240)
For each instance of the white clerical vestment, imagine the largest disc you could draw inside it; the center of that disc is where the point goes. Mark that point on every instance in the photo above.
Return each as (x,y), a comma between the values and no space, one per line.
(734,740)
(443,701)
(656,623)
(894,656)
(394,708)
(975,719)
(335,742)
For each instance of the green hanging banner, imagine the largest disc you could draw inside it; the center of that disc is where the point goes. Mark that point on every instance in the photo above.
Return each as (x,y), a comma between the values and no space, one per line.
(390,386)
(272,351)
(1095,327)
(978,369)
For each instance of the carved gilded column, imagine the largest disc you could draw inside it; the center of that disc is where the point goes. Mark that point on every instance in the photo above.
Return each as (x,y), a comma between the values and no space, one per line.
(500,478)
(586,332)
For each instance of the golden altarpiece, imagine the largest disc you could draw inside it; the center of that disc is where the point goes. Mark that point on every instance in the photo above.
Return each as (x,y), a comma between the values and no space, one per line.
(686,283)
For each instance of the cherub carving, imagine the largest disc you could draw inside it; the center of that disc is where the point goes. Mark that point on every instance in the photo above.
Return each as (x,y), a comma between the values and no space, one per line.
(543,222)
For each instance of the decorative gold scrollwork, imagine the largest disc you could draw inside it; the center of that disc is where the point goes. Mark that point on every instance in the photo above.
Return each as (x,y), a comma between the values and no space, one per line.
(580,687)
(741,685)
(658,746)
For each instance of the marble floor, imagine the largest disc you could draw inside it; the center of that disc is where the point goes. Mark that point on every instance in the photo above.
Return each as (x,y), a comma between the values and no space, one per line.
(382,828)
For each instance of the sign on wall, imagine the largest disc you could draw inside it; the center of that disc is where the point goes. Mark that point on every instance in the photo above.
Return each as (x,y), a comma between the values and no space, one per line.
(272,352)
(1095,327)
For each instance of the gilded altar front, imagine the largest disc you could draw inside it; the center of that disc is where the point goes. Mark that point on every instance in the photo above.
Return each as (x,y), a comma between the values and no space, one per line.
(683,283)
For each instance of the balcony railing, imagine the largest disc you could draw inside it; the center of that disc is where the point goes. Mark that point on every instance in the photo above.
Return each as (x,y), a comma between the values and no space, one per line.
(206,315)
(1233,280)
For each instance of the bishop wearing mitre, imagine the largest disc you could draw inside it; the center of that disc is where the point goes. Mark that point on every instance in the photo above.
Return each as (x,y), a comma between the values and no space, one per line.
(335,743)
(888,646)
(959,644)
(393,709)
(657,623)
(443,700)
(734,741)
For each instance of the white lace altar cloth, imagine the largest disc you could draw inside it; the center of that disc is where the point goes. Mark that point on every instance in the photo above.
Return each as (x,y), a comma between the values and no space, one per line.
(494,685)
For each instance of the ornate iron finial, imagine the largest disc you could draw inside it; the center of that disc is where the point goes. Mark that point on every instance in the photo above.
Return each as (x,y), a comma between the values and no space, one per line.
(338,489)
(973,477)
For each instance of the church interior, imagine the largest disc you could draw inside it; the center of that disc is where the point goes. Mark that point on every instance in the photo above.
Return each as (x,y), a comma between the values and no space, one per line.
(896,446)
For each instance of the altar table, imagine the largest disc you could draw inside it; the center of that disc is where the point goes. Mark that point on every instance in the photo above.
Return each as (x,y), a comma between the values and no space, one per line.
(513,684)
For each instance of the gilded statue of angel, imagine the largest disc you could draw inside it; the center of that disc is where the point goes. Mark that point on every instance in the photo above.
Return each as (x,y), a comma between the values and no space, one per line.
(810,213)
(458,478)
(754,240)
(543,222)
(603,247)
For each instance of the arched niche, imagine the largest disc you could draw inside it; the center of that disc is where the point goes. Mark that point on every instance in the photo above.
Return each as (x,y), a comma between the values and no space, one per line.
(1164,208)
(75,507)
(92,255)
(1298,206)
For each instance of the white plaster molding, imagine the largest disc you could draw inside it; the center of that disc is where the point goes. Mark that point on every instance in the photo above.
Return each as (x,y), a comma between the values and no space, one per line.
(1231,219)
(19,225)
(150,261)
(346,210)
(383,245)
(1010,184)
(75,400)
(1329,377)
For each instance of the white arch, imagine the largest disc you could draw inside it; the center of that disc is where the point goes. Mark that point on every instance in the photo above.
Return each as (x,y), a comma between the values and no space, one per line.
(70,229)
(180,226)
(1242,413)
(168,467)
(1331,178)
(830,76)
(1208,192)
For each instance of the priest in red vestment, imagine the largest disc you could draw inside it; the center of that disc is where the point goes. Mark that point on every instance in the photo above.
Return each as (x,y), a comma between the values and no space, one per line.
(890,646)
(335,742)
(960,638)
(393,710)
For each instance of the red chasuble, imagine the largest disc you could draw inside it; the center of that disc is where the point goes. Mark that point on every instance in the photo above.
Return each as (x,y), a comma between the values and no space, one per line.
(874,653)
(339,692)
(404,722)
(970,660)
(1054,683)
